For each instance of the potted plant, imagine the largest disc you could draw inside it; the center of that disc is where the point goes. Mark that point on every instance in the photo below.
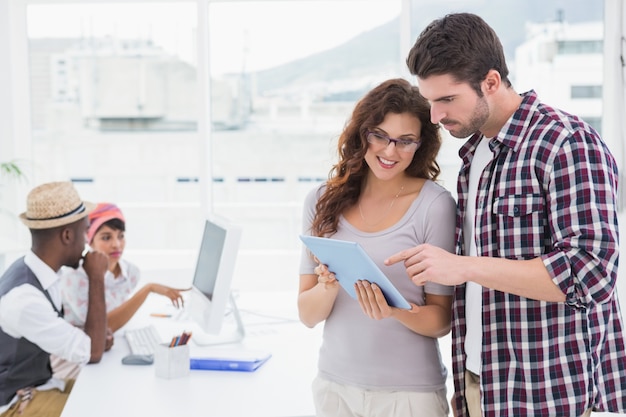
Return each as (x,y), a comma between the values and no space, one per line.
(10,169)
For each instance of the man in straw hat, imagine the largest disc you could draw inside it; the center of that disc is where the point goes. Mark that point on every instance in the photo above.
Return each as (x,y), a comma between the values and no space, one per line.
(31,317)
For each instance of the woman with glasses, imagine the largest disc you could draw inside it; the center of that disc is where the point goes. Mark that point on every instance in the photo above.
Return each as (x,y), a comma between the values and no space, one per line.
(377,360)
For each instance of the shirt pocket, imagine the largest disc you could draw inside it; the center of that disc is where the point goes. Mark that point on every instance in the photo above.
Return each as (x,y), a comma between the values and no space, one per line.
(521,224)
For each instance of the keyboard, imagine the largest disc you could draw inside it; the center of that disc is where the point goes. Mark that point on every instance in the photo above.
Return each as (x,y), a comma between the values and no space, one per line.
(143,340)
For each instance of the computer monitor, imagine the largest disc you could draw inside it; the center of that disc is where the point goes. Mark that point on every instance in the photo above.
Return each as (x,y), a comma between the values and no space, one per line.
(211,287)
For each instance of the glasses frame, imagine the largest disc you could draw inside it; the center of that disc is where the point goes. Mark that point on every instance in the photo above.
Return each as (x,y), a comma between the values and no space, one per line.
(402,142)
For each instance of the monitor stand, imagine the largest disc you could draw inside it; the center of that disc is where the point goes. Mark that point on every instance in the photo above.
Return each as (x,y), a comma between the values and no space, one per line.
(232,329)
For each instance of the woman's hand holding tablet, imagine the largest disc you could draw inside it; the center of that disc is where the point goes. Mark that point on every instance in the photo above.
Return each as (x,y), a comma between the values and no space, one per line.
(349,262)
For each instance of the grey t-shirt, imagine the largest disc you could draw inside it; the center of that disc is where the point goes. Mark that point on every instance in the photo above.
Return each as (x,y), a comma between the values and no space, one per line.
(384,354)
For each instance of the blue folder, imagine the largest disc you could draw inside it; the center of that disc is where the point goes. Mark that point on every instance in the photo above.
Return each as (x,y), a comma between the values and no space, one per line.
(240,361)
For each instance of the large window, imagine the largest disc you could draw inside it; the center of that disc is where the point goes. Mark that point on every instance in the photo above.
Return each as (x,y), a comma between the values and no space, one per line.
(296,84)
(117,105)
(115,108)
(121,95)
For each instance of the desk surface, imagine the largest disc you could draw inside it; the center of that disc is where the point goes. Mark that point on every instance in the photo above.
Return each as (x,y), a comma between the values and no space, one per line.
(281,387)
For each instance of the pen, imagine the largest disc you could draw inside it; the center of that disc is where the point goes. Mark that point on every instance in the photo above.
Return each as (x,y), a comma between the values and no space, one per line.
(180,340)
(160,315)
(184,338)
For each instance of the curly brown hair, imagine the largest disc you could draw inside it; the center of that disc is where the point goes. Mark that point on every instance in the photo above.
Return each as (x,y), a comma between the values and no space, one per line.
(346,177)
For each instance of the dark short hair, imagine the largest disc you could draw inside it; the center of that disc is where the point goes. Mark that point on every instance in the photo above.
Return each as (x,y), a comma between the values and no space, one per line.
(115,224)
(462,45)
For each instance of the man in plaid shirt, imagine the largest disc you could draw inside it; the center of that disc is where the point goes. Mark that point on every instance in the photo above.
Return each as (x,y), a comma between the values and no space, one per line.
(537,329)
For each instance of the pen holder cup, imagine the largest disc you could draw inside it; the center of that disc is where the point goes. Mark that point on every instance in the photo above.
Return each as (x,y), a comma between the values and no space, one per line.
(171,362)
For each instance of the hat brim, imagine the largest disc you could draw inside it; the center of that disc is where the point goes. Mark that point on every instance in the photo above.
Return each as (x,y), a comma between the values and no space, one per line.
(49,224)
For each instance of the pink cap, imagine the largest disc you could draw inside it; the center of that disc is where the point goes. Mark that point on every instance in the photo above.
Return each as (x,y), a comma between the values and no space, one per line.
(100,215)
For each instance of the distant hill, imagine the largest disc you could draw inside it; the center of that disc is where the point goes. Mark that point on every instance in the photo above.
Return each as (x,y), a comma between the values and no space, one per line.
(375,51)
(374,54)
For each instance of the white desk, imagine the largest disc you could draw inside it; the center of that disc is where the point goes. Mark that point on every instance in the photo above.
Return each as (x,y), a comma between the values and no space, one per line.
(279,388)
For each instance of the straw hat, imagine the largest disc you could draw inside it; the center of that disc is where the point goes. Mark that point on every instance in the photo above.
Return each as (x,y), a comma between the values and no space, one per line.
(54,204)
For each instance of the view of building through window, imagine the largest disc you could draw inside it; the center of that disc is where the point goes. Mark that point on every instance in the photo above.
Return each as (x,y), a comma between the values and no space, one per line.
(115,105)
(116,101)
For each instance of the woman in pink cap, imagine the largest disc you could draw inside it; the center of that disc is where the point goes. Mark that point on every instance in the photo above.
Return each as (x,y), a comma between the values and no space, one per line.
(106,234)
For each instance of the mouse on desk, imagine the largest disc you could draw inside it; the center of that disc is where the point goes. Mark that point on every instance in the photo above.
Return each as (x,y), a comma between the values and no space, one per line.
(133,359)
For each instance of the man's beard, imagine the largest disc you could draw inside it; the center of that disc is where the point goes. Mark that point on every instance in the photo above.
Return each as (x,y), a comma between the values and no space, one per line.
(478,119)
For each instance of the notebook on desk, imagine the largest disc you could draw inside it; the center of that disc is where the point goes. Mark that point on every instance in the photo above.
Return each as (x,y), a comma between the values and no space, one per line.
(241,360)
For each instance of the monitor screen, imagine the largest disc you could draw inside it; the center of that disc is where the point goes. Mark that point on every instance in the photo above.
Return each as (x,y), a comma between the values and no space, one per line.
(208,263)
(210,292)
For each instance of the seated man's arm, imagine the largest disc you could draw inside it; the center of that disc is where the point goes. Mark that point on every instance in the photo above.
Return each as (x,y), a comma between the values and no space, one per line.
(95,265)
(26,312)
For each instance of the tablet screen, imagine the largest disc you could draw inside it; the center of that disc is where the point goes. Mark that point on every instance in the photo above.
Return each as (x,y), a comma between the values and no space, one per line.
(350,263)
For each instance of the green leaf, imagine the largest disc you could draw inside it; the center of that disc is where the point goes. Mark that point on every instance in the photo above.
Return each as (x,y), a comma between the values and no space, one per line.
(11,170)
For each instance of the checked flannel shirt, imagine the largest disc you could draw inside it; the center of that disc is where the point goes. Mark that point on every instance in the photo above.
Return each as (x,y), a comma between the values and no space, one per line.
(549,192)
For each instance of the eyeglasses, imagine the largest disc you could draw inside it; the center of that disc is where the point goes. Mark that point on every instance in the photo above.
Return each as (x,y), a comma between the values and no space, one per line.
(402,145)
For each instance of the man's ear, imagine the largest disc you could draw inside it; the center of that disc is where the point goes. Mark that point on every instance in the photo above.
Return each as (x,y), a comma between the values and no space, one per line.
(67,235)
(492,82)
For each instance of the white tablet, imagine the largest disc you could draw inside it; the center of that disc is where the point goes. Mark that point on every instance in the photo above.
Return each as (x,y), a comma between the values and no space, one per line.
(350,263)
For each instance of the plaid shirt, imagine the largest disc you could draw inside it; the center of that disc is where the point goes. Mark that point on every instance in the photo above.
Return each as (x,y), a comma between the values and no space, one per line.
(549,192)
